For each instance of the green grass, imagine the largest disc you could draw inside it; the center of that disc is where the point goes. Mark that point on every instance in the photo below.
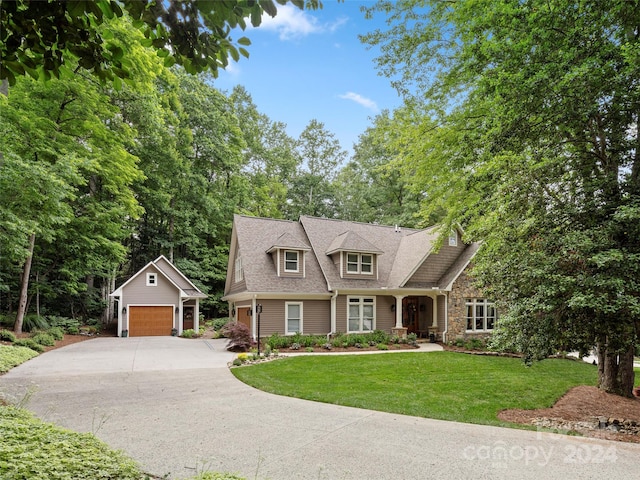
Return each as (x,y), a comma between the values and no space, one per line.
(442,385)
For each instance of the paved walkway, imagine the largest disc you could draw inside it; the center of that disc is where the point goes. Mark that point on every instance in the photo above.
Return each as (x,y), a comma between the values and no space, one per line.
(174,406)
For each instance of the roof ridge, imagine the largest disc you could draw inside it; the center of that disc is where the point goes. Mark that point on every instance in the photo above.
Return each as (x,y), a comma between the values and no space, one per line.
(368,224)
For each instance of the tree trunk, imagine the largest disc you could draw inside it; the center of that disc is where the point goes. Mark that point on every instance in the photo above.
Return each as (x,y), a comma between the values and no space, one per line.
(615,371)
(22,305)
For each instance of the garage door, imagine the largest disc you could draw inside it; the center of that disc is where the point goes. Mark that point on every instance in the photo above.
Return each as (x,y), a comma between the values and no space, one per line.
(147,321)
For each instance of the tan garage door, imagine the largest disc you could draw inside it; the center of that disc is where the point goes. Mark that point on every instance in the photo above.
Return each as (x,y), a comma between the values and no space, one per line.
(147,321)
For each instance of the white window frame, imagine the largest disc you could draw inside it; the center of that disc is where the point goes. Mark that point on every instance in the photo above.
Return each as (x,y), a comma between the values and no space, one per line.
(239,271)
(484,318)
(152,279)
(289,270)
(453,238)
(359,263)
(361,302)
(286,318)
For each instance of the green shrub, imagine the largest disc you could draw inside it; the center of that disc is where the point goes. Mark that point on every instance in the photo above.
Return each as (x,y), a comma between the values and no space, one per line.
(382,346)
(34,322)
(7,320)
(217,476)
(217,323)
(69,325)
(188,333)
(56,332)
(44,339)
(276,341)
(7,336)
(35,449)
(29,343)
(11,356)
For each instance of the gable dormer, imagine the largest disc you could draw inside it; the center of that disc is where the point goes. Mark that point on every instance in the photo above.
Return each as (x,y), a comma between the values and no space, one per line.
(354,256)
(289,254)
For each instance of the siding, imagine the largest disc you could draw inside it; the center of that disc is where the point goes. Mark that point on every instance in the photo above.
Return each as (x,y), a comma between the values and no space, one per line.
(282,256)
(137,291)
(435,266)
(316,317)
(359,276)
(441,305)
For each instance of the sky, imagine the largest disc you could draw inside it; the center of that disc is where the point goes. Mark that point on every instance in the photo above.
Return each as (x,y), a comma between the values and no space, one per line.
(306,65)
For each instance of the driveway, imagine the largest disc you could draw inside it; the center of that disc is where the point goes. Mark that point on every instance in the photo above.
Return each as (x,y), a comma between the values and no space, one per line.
(173,405)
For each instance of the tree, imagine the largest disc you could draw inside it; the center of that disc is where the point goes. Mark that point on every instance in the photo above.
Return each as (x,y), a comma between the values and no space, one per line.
(312,192)
(373,187)
(42,38)
(522,121)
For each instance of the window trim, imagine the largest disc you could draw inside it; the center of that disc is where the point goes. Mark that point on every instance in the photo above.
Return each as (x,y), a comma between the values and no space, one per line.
(486,304)
(239,271)
(361,302)
(152,279)
(358,263)
(453,238)
(286,317)
(297,269)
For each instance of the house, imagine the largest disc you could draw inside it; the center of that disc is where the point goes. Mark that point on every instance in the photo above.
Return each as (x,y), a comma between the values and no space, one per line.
(157,300)
(322,276)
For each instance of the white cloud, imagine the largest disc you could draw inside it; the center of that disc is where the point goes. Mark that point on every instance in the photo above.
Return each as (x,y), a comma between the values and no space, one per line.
(291,22)
(359,99)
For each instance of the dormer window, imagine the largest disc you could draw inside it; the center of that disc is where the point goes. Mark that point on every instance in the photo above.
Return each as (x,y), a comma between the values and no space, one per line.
(291,261)
(360,263)
(152,279)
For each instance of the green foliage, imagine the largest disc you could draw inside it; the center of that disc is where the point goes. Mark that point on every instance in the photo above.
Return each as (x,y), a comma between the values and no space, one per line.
(69,325)
(34,449)
(218,323)
(29,343)
(12,356)
(7,336)
(216,476)
(189,333)
(382,346)
(34,322)
(44,339)
(56,332)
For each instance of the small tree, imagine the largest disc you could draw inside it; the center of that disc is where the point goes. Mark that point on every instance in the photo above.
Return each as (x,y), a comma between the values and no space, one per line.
(239,337)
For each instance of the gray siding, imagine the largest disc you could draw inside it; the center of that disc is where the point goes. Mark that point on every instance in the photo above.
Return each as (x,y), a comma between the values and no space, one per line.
(435,266)
(385,318)
(137,291)
(442,312)
(316,317)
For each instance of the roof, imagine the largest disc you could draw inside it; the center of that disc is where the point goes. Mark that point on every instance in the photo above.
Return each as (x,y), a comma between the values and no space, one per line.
(400,252)
(171,273)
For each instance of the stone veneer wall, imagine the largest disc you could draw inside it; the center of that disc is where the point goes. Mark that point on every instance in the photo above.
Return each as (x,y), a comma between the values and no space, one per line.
(462,289)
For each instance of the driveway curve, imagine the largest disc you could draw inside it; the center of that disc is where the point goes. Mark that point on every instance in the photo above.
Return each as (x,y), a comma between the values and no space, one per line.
(173,405)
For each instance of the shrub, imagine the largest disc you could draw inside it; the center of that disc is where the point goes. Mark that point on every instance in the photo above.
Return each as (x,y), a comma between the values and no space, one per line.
(218,323)
(29,343)
(34,322)
(276,341)
(7,320)
(44,338)
(188,333)
(295,346)
(382,346)
(308,349)
(56,332)
(7,336)
(11,356)
(69,325)
(239,337)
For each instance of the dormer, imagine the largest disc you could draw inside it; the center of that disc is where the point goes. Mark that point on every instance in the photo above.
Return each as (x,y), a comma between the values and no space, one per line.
(354,256)
(289,254)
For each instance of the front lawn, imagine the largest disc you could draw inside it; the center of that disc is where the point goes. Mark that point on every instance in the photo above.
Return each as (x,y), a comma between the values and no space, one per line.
(442,385)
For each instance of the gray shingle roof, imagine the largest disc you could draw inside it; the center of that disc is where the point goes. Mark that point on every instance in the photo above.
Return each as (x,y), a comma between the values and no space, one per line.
(399,253)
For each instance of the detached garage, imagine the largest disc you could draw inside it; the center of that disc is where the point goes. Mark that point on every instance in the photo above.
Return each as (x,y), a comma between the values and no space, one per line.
(157,300)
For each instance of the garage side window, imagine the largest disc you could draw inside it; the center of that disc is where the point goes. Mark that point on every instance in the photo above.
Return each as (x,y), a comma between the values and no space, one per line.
(294,317)
(152,279)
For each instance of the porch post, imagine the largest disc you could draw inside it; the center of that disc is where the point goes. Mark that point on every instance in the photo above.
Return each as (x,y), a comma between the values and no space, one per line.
(196,316)
(399,310)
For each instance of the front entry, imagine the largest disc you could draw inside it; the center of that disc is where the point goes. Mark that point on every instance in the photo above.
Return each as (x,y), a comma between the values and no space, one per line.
(244,316)
(187,322)
(410,314)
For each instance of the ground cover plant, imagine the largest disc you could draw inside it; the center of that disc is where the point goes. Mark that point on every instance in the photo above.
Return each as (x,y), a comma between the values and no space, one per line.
(10,356)
(441,385)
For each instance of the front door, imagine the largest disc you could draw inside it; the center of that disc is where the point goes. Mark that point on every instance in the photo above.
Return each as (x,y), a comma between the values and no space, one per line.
(187,322)
(410,314)
(244,316)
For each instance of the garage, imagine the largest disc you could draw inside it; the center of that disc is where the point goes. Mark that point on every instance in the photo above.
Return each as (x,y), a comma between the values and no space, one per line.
(150,321)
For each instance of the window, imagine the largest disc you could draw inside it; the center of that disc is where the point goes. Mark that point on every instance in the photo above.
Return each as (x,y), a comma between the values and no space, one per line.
(291,261)
(453,239)
(239,272)
(361,314)
(360,263)
(293,312)
(152,279)
(481,315)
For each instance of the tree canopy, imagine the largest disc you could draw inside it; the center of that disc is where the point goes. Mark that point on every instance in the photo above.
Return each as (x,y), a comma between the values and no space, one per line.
(47,38)
(521,121)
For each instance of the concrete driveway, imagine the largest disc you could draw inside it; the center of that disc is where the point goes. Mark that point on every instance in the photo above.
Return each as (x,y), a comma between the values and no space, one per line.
(173,405)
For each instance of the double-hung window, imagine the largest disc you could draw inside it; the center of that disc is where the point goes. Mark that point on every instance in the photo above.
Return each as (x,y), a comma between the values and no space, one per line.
(294,317)
(360,263)
(361,314)
(291,261)
(481,315)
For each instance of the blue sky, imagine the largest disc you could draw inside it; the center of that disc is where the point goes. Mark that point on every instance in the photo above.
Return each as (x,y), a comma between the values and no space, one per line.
(306,65)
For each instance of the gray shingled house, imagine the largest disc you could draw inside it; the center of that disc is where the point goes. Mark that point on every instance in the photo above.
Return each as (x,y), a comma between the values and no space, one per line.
(157,300)
(321,276)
